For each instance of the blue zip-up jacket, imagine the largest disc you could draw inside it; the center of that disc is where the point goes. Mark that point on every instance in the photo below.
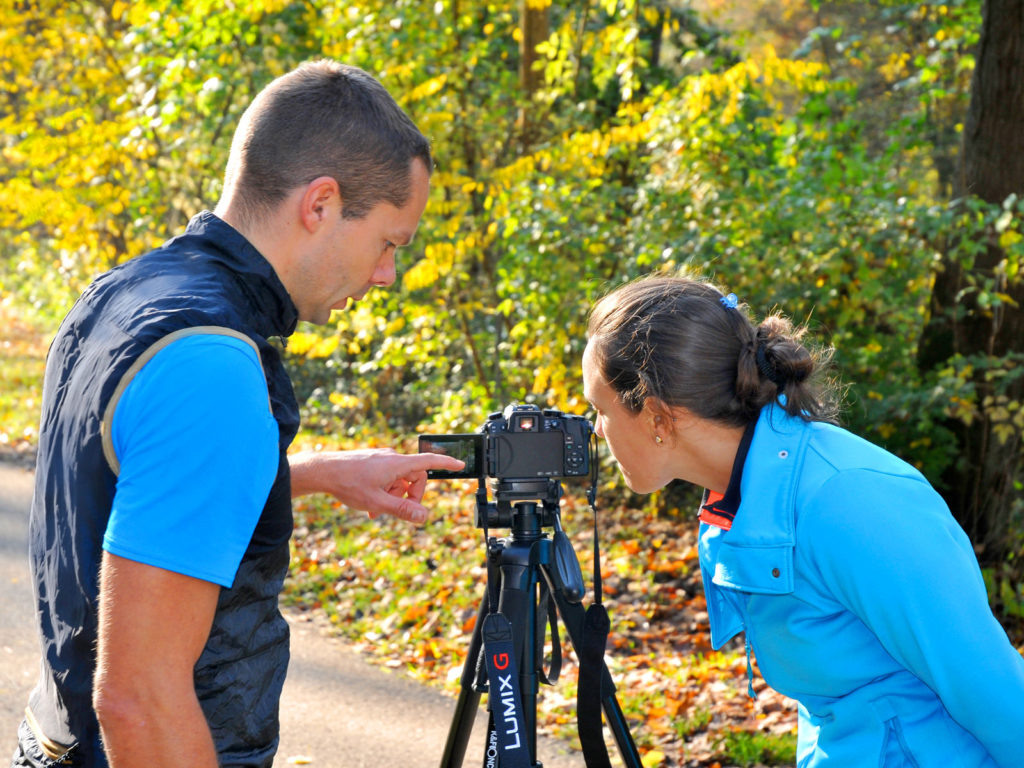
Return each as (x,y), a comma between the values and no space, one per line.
(863,601)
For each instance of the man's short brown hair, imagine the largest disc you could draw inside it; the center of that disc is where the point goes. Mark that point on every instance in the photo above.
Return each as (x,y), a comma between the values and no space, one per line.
(324,119)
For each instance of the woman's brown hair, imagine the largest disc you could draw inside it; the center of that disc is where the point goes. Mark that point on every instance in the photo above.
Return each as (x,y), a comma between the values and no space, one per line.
(682,341)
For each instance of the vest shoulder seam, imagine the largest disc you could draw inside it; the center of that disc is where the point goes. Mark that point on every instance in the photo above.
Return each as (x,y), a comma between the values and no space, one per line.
(106,426)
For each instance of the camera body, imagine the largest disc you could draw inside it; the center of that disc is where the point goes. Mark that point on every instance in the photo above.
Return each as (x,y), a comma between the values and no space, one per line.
(522,442)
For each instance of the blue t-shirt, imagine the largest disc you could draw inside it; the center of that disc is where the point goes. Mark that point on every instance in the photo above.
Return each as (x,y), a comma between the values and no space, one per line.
(198,452)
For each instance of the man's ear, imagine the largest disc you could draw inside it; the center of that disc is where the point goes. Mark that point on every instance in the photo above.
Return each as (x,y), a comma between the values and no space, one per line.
(321,199)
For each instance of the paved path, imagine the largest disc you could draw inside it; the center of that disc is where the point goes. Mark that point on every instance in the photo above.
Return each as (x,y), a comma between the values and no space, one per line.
(19,651)
(337,710)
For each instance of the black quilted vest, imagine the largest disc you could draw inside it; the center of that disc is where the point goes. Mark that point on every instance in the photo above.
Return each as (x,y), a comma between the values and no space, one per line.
(209,276)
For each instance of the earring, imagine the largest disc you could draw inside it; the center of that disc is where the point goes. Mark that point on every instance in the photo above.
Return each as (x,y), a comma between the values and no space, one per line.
(657,439)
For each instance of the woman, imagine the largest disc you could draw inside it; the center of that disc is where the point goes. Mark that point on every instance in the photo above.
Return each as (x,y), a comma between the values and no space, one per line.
(858,592)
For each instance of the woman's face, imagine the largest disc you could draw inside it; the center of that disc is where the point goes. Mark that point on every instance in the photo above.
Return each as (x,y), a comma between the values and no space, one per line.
(630,436)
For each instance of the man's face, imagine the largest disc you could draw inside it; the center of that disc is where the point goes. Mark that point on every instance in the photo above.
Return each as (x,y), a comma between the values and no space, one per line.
(353,255)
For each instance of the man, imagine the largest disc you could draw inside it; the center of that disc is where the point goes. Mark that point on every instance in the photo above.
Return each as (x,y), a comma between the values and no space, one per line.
(162,508)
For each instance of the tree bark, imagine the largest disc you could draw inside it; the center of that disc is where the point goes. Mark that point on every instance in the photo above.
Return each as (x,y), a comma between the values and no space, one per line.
(980,485)
(534,24)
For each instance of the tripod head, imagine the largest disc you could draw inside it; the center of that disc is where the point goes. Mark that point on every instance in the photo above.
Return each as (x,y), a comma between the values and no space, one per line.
(515,505)
(517,508)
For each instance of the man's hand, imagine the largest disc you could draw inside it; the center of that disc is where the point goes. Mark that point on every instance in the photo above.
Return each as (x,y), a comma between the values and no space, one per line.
(377,481)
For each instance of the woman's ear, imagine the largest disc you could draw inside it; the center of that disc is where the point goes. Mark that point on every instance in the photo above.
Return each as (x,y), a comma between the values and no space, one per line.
(659,416)
(667,421)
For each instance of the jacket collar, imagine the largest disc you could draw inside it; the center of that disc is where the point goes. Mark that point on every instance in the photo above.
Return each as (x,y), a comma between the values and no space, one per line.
(770,475)
(720,509)
(756,554)
(274,312)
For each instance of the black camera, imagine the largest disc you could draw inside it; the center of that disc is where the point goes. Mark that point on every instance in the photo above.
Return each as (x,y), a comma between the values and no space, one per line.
(520,443)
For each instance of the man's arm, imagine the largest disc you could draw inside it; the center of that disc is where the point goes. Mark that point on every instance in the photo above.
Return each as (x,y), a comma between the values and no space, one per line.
(377,481)
(153,624)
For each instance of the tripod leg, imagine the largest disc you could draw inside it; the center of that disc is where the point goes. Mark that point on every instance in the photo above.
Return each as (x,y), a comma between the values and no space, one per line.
(572,617)
(517,602)
(473,674)
(468,701)
(461,728)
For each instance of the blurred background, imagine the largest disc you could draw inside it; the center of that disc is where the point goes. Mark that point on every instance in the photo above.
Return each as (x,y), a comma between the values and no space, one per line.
(856,165)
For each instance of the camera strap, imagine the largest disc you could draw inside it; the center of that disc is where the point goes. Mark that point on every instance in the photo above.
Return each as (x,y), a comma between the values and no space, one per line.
(547,613)
(589,695)
(506,727)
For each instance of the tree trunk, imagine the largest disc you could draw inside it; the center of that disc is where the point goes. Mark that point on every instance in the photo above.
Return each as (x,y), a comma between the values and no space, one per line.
(980,486)
(534,26)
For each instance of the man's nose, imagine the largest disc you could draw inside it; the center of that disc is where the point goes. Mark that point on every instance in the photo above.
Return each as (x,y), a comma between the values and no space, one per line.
(385,272)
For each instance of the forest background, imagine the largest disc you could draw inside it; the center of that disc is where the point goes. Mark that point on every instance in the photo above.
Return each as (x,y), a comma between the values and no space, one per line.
(810,157)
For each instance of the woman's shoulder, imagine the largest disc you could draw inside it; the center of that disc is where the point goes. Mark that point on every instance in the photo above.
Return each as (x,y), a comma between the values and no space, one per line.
(819,469)
(844,451)
(820,447)
(848,481)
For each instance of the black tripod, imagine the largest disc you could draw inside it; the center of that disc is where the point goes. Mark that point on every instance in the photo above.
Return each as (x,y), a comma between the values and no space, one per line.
(523,570)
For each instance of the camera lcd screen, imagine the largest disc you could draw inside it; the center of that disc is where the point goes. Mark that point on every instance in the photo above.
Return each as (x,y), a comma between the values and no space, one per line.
(529,454)
(468,448)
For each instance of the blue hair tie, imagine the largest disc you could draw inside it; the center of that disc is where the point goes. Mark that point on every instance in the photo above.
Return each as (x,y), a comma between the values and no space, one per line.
(729,301)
